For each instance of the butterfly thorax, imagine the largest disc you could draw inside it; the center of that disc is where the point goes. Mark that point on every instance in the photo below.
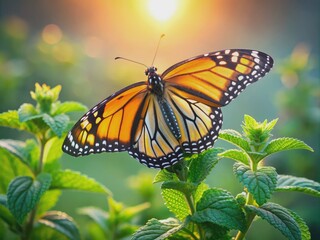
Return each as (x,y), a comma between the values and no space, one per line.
(155,82)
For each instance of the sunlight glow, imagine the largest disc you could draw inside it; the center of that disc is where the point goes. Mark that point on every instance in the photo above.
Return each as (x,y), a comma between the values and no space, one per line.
(162,9)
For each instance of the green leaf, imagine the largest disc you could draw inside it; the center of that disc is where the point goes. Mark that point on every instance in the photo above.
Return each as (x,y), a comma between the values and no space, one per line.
(157,229)
(32,153)
(48,201)
(5,214)
(202,187)
(184,187)
(235,138)
(27,152)
(257,132)
(67,179)
(299,184)
(237,155)
(268,126)
(11,119)
(278,217)
(27,112)
(202,164)
(24,193)
(52,153)
(215,232)
(62,223)
(256,157)
(96,214)
(219,207)
(305,233)
(68,106)
(249,121)
(14,147)
(41,231)
(283,144)
(261,183)
(11,167)
(58,123)
(130,212)
(176,203)
(163,175)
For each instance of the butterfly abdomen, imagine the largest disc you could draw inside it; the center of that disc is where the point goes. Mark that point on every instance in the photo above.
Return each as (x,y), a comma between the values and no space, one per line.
(170,118)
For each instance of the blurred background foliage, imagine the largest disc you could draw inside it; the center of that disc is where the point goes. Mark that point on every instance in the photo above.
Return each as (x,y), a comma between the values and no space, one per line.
(73,43)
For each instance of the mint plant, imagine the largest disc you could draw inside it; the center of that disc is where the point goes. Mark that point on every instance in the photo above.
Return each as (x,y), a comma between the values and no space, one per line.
(31,178)
(31,182)
(203,212)
(116,223)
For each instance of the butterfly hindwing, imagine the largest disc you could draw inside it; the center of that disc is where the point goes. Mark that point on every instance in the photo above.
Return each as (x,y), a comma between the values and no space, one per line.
(217,78)
(154,143)
(199,123)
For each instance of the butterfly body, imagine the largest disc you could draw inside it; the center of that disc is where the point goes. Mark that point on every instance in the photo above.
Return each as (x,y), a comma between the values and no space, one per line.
(177,112)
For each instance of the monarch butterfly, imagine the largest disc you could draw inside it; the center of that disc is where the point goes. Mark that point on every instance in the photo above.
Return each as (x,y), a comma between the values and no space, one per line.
(176,112)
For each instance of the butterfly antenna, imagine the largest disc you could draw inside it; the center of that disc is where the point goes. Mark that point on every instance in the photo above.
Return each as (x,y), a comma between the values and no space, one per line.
(154,57)
(130,61)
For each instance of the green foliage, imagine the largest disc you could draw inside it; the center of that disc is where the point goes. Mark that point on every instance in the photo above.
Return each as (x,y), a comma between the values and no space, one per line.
(219,207)
(158,229)
(68,179)
(260,183)
(31,178)
(175,202)
(200,168)
(60,222)
(278,217)
(24,193)
(203,212)
(289,183)
(117,223)
(32,181)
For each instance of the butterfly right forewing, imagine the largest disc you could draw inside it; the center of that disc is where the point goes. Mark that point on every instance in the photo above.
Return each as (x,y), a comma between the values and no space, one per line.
(217,78)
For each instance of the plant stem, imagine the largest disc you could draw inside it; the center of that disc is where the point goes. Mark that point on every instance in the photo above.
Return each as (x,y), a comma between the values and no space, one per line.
(250,201)
(190,233)
(240,234)
(182,174)
(29,225)
(41,144)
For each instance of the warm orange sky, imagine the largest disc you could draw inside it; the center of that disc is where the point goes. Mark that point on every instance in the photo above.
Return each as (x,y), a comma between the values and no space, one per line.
(127,28)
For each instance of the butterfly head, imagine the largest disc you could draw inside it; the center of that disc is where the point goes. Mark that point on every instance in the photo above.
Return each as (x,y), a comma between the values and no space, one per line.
(150,71)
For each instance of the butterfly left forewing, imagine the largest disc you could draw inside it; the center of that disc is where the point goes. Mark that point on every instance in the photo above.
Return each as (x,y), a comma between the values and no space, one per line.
(109,125)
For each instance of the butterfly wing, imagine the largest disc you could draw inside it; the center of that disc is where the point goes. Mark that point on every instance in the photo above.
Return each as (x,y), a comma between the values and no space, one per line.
(196,89)
(218,77)
(129,120)
(154,143)
(199,123)
(110,125)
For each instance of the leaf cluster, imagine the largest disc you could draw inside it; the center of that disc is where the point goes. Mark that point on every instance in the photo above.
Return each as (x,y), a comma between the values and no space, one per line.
(32,178)
(203,212)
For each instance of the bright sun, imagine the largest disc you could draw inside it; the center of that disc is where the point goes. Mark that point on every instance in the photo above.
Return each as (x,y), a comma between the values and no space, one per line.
(162,9)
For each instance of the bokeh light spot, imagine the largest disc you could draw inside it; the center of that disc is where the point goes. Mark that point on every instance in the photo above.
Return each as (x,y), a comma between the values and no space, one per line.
(51,34)
(162,9)
(94,47)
